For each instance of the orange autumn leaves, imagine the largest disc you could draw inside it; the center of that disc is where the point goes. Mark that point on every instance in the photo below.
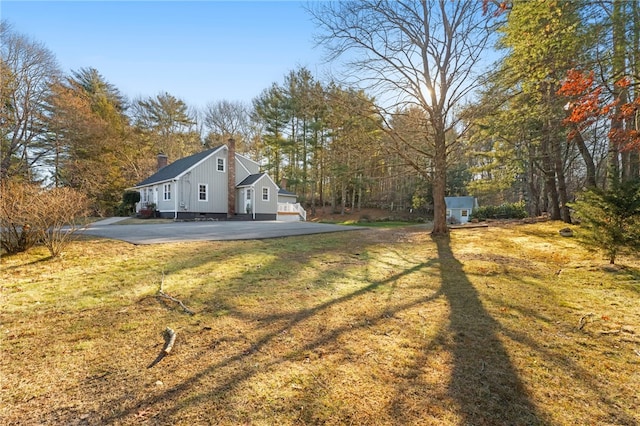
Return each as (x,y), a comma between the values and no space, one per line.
(590,101)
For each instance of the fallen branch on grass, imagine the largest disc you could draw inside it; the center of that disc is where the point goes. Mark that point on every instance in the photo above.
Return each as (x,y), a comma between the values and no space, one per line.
(169,341)
(178,301)
(583,321)
(164,295)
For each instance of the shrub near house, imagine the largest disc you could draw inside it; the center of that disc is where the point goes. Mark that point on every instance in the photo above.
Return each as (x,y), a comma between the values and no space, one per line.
(148,211)
(503,211)
(31,214)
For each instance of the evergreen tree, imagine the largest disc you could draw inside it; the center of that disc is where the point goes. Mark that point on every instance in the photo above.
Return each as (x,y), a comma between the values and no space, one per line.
(86,119)
(169,125)
(273,109)
(543,42)
(610,219)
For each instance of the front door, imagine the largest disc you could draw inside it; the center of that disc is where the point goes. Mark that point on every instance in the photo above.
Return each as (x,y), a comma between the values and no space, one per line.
(248,207)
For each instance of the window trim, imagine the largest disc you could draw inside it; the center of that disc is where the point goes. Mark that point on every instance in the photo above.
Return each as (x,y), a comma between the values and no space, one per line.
(206,192)
(267,193)
(464,213)
(166,192)
(223,164)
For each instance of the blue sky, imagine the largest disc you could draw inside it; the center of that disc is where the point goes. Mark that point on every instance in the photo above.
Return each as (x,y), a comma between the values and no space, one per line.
(198,51)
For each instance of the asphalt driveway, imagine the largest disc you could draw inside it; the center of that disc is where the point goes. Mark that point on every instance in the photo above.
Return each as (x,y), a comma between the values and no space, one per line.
(208,230)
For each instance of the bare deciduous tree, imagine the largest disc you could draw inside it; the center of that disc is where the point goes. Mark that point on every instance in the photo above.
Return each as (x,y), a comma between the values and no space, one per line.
(16,232)
(27,69)
(59,214)
(412,53)
(228,119)
(30,214)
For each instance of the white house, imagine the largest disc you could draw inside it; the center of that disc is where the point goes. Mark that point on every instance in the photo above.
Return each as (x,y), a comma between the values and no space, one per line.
(459,209)
(217,183)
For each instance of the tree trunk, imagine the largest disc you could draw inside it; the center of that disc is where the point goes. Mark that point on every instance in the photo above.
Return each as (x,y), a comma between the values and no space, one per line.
(320,183)
(619,69)
(634,160)
(305,159)
(353,199)
(439,186)
(333,196)
(532,180)
(562,185)
(590,180)
(549,177)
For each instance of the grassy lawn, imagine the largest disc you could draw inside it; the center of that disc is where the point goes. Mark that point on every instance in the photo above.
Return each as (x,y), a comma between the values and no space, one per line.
(378,224)
(509,325)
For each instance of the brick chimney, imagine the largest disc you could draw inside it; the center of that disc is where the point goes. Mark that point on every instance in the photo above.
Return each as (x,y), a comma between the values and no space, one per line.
(283,183)
(163,160)
(231,175)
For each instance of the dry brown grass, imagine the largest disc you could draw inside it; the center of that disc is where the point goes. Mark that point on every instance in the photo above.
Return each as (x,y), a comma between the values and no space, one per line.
(367,327)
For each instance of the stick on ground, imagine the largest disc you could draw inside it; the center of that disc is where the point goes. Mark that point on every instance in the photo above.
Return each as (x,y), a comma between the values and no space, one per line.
(169,341)
(164,295)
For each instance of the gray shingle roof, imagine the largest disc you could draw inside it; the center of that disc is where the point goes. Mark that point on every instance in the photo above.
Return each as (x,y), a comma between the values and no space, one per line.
(174,169)
(251,179)
(460,202)
(285,192)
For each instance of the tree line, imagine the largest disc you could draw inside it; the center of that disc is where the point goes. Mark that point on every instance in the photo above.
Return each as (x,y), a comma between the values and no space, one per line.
(421,113)
(79,131)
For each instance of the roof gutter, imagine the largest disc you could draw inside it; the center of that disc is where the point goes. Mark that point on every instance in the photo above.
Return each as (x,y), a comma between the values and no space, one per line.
(158,182)
(175,200)
(254,201)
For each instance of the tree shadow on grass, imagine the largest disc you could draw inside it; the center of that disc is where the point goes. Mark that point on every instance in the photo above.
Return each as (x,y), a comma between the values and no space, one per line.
(227,368)
(484,382)
(484,386)
(23,265)
(627,276)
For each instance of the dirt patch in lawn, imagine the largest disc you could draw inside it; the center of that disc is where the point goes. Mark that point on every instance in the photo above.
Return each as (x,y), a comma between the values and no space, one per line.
(498,325)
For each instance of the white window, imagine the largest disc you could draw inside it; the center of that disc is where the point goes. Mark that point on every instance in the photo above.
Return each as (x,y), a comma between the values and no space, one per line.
(265,194)
(167,191)
(220,165)
(464,213)
(448,213)
(248,194)
(144,195)
(203,190)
